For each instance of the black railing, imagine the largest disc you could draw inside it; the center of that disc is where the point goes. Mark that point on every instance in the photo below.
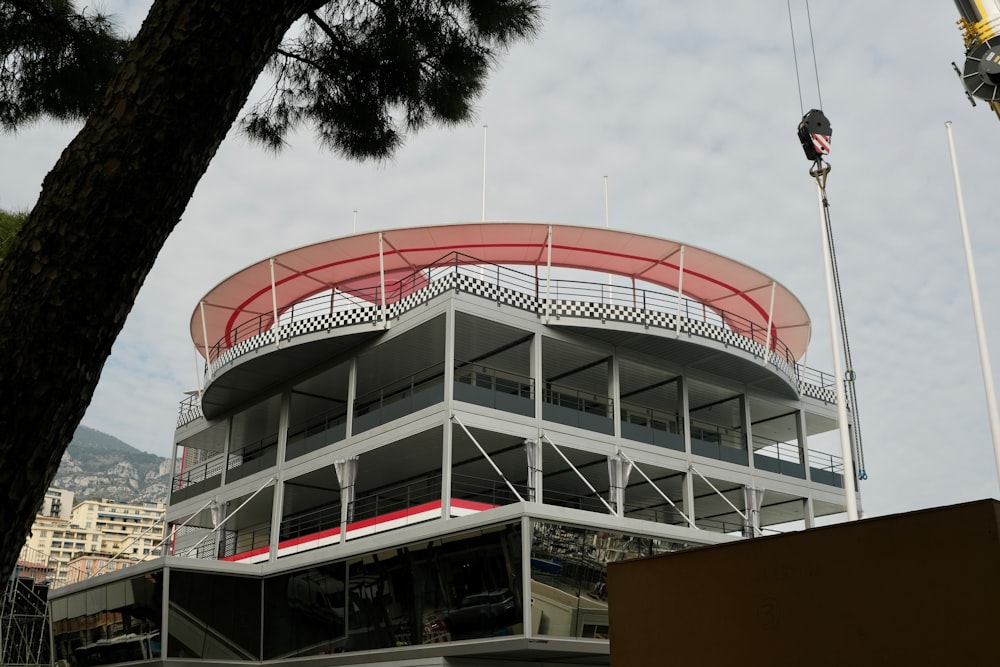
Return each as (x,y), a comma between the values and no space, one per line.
(253,457)
(780,457)
(488,491)
(237,542)
(656,427)
(381,504)
(311,521)
(647,302)
(652,307)
(197,479)
(718,442)
(397,399)
(493,388)
(317,431)
(575,407)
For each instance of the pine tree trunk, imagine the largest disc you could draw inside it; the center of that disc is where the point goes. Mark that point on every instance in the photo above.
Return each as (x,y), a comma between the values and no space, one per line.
(104,212)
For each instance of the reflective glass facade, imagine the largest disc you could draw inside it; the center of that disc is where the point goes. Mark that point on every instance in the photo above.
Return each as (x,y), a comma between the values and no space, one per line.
(213,616)
(458,587)
(110,623)
(569,575)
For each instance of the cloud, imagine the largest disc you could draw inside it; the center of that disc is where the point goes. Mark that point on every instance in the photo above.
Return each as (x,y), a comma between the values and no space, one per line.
(690,109)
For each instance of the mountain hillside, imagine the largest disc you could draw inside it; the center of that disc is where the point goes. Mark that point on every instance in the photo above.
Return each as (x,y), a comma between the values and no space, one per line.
(98,465)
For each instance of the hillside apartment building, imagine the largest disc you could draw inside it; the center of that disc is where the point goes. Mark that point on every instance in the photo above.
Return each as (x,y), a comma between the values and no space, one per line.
(80,539)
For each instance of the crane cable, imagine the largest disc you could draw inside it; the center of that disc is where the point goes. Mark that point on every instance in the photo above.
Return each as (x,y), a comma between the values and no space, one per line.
(795,56)
(814,134)
(819,171)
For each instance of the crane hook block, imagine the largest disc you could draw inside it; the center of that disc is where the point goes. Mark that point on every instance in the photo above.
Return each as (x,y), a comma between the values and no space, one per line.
(814,134)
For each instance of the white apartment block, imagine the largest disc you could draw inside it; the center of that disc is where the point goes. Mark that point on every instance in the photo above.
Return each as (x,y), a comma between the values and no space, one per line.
(133,531)
(93,532)
(57,502)
(60,540)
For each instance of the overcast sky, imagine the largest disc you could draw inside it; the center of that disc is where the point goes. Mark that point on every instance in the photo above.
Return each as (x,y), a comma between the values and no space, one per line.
(690,108)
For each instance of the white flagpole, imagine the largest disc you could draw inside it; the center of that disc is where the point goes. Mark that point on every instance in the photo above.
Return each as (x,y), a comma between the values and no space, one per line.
(977,312)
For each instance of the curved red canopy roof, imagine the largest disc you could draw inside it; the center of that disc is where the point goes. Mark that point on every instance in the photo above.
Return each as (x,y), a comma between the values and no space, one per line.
(354,261)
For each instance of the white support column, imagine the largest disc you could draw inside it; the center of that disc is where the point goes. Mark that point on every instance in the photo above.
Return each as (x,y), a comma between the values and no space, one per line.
(381,279)
(802,434)
(198,374)
(689,499)
(752,500)
(449,397)
(548,276)
(447,457)
(204,339)
(226,448)
(808,513)
(680,294)
(274,305)
(685,415)
(352,394)
(747,427)
(526,596)
(614,391)
(278,503)
(279,486)
(770,321)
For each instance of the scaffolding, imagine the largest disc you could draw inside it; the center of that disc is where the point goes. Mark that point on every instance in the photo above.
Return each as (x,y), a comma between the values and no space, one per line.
(24,613)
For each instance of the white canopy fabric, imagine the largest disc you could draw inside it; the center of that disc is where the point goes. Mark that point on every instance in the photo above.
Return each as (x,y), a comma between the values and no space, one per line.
(352,263)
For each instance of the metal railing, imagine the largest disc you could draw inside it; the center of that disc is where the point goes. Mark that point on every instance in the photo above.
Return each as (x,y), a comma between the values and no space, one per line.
(579,400)
(826,468)
(236,542)
(399,398)
(717,434)
(653,307)
(489,491)
(382,503)
(781,451)
(494,380)
(779,457)
(304,435)
(310,522)
(197,474)
(253,457)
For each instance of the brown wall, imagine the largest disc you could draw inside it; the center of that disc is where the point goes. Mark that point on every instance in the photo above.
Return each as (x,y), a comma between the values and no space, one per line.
(919,588)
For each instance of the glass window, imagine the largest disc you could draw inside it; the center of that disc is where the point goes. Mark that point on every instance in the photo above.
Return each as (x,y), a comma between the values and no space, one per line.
(304,612)
(119,622)
(569,576)
(214,616)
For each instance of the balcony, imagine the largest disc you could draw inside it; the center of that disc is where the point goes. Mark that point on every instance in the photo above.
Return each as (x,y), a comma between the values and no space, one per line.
(555,300)
(492,388)
(399,398)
